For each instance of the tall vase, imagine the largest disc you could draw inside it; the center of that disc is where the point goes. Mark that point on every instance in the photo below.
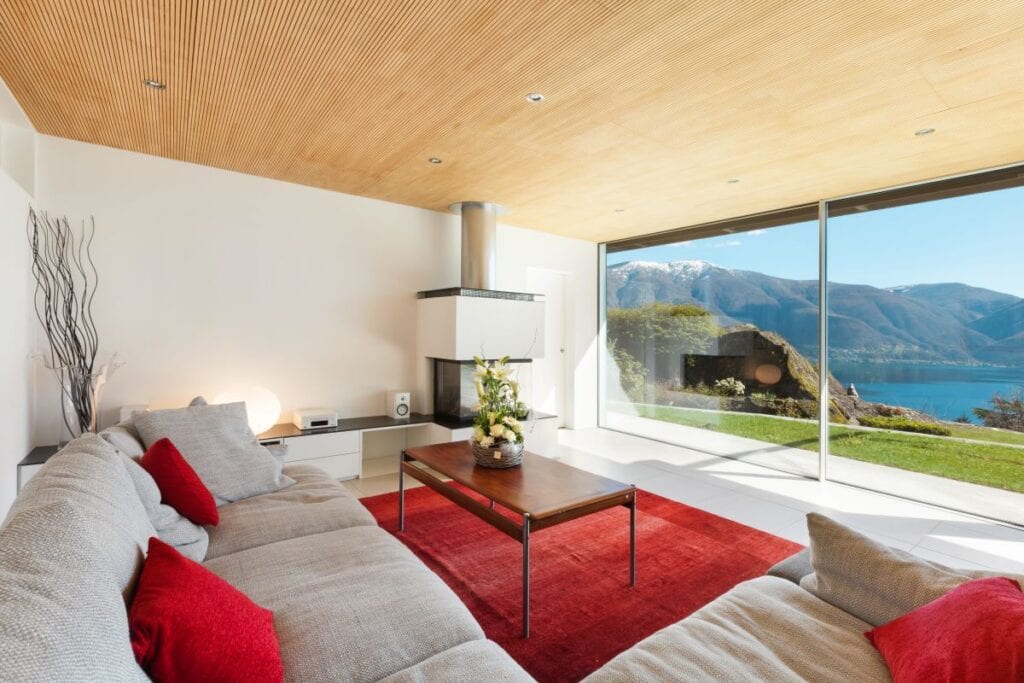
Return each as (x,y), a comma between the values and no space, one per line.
(80,394)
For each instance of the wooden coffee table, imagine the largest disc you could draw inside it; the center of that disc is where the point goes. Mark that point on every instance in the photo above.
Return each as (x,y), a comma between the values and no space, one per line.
(543,492)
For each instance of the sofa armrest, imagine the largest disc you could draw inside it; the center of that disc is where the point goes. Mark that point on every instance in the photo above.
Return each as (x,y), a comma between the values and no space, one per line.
(794,567)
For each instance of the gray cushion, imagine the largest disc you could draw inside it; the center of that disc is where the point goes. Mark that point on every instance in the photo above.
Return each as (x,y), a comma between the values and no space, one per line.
(767,629)
(279,451)
(88,473)
(62,616)
(870,580)
(794,567)
(477,660)
(189,538)
(314,504)
(218,444)
(349,605)
(124,438)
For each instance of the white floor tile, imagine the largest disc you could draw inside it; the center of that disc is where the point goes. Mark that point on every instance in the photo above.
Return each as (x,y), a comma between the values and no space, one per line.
(959,540)
(680,488)
(948,560)
(796,532)
(753,512)
(775,501)
(374,486)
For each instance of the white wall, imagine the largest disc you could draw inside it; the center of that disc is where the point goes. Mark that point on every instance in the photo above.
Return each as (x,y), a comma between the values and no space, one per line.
(15,367)
(16,377)
(17,142)
(211,279)
(519,250)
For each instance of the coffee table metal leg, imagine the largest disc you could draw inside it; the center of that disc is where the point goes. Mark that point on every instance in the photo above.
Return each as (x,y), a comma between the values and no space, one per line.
(526,576)
(632,542)
(401,493)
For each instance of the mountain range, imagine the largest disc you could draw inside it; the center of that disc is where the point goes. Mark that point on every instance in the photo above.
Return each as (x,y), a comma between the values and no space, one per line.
(942,322)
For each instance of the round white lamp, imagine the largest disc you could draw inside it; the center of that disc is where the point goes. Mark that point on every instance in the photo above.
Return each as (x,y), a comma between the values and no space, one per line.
(261,405)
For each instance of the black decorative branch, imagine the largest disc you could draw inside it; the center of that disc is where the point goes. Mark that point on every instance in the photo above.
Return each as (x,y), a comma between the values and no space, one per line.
(66,280)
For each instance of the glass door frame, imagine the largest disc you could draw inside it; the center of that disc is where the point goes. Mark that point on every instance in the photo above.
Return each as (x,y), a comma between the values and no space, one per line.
(973,182)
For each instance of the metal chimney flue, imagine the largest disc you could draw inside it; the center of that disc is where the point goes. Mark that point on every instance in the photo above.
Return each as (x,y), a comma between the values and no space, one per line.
(479,242)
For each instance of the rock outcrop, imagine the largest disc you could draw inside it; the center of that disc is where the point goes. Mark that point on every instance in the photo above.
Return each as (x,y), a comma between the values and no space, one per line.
(778,379)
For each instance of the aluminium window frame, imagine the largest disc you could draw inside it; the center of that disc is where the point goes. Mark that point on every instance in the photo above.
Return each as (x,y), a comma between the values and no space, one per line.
(943,187)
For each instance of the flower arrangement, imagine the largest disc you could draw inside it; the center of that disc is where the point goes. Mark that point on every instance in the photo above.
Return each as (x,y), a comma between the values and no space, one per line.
(499,408)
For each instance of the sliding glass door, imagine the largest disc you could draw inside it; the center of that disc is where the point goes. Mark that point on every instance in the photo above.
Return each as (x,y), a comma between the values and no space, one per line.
(711,343)
(710,340)
(926,345)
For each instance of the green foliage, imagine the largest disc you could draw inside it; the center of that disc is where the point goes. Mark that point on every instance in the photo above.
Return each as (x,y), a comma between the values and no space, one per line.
(632,374)
(789,407)
(730,386)
(662,328)
(700,388)
(1005,413)
(904,424)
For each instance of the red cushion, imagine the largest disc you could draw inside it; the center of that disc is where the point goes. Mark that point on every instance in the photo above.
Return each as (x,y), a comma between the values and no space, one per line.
(188,624)
(180,486)
(975,632)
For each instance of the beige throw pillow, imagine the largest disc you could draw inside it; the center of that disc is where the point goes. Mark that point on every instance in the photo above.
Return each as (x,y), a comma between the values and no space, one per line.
(124,438)
(217,442)
(872,581)
(187,537)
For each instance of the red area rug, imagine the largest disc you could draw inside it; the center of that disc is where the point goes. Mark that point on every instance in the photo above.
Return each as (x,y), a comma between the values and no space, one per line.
(583,610)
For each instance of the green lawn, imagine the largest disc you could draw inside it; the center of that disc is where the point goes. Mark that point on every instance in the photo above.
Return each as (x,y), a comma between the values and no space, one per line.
(988,464)
(986,434)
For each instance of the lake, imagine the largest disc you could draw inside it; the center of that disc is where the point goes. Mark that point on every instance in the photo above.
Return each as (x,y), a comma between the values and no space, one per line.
(945,391)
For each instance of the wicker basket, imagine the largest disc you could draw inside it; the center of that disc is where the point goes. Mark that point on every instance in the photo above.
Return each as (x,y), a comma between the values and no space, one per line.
(501,455)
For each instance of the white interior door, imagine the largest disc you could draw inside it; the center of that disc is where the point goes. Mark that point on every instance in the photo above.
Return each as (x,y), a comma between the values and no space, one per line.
(548,374)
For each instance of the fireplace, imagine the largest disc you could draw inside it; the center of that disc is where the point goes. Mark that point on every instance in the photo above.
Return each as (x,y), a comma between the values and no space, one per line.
(455,389)
(457,323)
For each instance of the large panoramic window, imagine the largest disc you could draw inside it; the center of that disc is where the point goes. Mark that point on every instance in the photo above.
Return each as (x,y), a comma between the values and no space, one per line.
(712,342)
(926,345)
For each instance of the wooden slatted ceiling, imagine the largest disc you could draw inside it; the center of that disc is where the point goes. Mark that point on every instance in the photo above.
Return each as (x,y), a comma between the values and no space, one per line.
(651,105)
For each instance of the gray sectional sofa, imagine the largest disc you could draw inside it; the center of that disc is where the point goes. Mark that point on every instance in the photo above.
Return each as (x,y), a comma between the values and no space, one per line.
(805,621)
(350,602)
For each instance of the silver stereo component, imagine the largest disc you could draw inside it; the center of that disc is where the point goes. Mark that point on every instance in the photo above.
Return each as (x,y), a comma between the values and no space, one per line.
(315,418)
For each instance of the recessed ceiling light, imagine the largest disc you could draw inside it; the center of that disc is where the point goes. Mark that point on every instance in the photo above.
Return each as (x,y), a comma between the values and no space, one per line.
(620,210)
(154,84)
(435,160)
(924,131)
(732,181)
(535,97)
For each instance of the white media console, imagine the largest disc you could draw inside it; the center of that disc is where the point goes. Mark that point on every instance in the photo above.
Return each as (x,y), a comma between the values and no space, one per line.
(372,446)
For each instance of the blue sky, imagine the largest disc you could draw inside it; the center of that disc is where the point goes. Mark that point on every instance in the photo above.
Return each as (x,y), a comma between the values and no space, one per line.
(977,240)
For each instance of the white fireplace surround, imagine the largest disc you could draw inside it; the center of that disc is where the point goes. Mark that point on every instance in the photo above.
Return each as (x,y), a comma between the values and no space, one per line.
(461,327)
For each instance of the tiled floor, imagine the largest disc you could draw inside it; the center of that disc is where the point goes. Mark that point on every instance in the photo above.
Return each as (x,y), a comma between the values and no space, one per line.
(777,502)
